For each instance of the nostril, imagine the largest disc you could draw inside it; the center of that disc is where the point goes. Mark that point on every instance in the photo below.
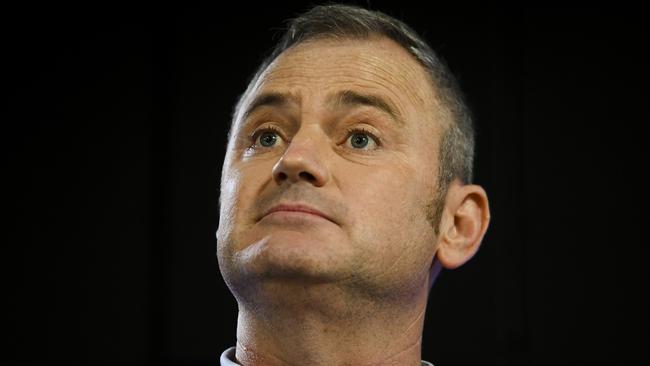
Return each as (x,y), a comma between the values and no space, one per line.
(282,176)
(307,176)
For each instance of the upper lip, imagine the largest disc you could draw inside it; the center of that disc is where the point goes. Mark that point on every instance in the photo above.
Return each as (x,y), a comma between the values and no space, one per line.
(298,207)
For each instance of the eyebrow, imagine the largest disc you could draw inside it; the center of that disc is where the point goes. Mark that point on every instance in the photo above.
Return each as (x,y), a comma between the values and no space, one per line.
(344,98)
(270,99)
(350,98)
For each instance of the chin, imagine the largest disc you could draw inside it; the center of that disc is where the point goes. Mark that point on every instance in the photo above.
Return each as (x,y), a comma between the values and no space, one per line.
(293,255)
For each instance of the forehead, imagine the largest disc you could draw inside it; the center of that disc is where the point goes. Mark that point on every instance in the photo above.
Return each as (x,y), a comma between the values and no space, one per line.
(313,70)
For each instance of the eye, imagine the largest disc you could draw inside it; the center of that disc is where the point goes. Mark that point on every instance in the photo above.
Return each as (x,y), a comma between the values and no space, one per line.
(362,139)
(266,137)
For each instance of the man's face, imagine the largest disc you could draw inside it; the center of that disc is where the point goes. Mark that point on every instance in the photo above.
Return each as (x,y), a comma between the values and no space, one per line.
(348,128)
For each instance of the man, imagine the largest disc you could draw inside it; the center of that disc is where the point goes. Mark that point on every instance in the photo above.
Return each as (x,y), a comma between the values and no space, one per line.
(345,189)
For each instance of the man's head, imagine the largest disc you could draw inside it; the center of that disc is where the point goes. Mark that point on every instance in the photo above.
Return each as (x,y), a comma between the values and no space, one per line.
(354,116)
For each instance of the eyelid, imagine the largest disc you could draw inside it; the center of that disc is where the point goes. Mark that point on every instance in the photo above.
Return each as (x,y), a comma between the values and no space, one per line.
(267,128)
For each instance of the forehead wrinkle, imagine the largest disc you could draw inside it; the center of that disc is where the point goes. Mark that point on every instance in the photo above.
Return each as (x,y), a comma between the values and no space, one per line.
(380,86)
(393,75)
(407,76)
(383,87)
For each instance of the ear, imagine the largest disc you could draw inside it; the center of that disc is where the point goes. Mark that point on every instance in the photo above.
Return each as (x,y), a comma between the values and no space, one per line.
(464,222)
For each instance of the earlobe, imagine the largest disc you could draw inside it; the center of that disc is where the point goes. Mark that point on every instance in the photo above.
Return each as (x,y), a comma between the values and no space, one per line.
(465,220)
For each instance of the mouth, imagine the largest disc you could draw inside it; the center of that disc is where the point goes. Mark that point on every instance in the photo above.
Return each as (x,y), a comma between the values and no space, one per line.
(297,209)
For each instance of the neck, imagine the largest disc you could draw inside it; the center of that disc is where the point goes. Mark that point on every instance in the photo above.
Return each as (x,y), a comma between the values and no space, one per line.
(304,329)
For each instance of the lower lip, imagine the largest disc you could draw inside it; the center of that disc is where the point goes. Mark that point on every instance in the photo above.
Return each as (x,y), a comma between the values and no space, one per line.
(294,215)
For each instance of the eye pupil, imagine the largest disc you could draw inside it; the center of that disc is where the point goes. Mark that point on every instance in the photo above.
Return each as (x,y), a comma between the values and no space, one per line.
(268,139)
(359,140)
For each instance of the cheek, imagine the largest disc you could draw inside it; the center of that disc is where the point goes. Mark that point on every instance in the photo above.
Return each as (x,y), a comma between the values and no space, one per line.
(236,187)
(240,187)
(379,196)
(228,197)
(390,232)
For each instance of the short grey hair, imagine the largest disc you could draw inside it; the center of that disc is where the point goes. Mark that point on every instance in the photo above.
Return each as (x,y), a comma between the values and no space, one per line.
(353,22)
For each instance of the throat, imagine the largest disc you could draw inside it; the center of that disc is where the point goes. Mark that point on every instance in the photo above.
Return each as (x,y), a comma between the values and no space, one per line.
(308,337)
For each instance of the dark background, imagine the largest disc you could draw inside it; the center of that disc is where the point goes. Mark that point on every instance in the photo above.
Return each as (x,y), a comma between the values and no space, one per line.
(112,140)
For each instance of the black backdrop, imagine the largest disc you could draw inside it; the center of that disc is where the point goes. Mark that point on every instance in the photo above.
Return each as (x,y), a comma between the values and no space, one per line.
(111,149)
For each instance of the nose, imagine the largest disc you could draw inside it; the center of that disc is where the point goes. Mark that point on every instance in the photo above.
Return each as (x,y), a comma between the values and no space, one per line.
(303,160)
